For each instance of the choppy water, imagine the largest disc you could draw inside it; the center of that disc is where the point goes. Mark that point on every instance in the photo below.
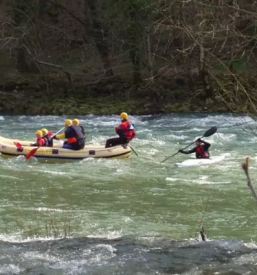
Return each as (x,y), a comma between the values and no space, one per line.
(131,216)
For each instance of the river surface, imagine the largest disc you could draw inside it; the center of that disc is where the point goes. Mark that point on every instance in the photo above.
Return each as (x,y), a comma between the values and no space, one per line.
(131,216)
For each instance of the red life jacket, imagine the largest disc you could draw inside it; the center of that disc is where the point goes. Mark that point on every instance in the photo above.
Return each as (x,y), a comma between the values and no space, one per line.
(40,141)
(72,140)
(127,130)
(200,152)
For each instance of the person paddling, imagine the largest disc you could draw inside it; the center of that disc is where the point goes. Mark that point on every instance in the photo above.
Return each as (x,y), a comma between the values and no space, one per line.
(47,137)
(201,149)
(40,140)
(126,132)
(73,134)
(75,122)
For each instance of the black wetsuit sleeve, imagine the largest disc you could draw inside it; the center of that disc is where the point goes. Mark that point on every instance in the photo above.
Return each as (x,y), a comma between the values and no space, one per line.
(83,132)
(188,151)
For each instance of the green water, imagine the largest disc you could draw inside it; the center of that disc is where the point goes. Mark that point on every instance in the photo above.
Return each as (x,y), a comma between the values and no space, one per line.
(136,196)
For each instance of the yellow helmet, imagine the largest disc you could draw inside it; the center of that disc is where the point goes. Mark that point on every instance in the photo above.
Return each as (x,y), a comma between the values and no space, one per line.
(39,133)
(76,121)
(124,115)
(68,122)
(45,131)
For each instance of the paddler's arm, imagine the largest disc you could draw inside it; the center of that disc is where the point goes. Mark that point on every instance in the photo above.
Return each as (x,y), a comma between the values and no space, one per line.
(60,136)
(188,151)
(119,131)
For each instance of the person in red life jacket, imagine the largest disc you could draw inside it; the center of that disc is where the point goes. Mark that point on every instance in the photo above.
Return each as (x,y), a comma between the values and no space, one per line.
(47,137)
(73,134)
(126,132)
(40,140)
(201,149)
(75,122)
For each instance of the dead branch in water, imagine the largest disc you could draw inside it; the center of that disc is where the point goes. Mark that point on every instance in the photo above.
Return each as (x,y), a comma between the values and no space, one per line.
(203,235)
(245,167)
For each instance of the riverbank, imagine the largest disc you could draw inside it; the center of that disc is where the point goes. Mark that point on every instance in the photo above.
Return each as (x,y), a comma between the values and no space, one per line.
(32,96)
(140,61)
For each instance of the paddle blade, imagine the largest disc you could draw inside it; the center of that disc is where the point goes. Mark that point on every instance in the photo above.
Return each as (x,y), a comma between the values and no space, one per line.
(210,132)
(31,153)
(17,144)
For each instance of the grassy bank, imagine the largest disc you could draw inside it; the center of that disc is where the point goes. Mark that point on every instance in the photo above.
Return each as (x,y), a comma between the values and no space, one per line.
(31,95)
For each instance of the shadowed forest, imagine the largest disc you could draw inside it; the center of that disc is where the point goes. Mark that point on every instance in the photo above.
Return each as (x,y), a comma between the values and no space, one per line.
(138,56)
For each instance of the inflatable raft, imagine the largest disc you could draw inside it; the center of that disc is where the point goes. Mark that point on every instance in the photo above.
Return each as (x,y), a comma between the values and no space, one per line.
(57,154)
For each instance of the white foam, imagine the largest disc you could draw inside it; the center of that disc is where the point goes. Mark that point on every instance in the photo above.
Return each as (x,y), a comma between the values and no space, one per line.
(10,177)
(38,256)
(45,209)
(187,130)
(202,180)
(112,235)
(251,245)
(178,137)
(200,162)
(54,172)
(10,269)
(18,238)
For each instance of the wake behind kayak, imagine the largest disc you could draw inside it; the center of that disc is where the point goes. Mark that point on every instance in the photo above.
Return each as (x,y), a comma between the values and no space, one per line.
(200,162)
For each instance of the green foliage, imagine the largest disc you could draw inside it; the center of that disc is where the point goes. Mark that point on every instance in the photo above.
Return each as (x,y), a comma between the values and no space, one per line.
(47,225)
(254,27)
(236,64)
(129,16)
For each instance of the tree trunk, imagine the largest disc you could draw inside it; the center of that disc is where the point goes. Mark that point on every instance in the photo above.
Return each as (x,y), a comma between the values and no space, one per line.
(204,74)
(149,51)
(94,28)
(22,65)
(135,58)
(99,34)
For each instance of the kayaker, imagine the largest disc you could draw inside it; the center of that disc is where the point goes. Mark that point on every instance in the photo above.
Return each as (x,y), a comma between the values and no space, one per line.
(201,149)
(73,134)
(126,132)
(75,122)
(40,141)
(47,137)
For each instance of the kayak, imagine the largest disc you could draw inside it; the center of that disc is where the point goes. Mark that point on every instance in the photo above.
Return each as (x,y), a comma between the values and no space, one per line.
(57,154)
(200,162)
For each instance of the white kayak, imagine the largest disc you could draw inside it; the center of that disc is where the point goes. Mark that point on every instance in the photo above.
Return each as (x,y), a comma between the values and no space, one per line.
(200,162)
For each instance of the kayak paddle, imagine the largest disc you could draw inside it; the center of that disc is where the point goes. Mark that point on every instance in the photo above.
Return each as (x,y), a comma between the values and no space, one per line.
(17,144)
(133,150)
(31,153)
(56,133)
(208,133)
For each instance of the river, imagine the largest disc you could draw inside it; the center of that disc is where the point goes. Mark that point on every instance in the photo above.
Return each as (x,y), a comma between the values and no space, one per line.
(131,216)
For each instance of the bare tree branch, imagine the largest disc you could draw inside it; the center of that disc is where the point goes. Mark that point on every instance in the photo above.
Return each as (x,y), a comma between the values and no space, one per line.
(245,167)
